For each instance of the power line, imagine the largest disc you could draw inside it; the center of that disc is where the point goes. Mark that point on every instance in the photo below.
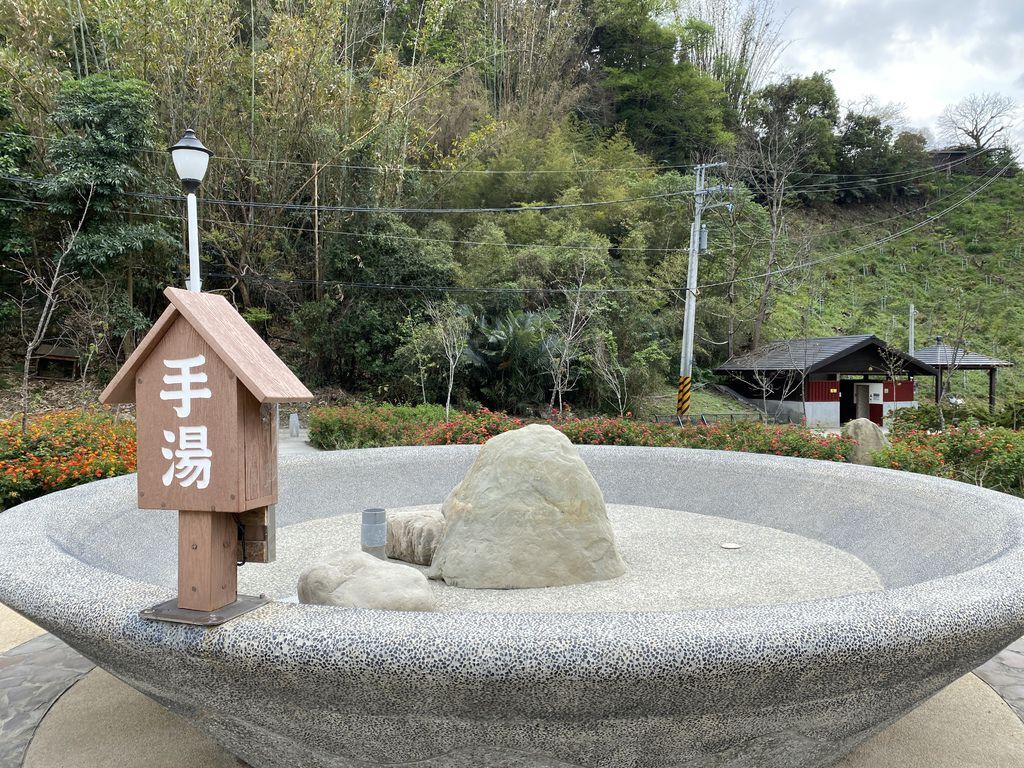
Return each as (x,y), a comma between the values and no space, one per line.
(940,167)
(403,168)
(901,177)
(874,223)
(396,210)
(396,287)
(806,240)
(497,171)
(420,211)
(874,244)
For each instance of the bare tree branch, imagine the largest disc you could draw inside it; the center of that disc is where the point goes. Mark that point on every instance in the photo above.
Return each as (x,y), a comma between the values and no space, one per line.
(566,346)
(46,279)
(983,120)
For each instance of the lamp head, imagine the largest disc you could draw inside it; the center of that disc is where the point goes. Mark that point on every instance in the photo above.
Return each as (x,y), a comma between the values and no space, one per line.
(191,159)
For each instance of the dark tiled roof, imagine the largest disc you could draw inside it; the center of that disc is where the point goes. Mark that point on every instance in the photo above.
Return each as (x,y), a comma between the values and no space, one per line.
(808,355)
(794,354)
(55,352)
(944,354)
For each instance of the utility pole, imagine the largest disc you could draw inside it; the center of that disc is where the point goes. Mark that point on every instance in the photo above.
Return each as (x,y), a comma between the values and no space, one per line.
(910,343)
(698,242)
(318,291)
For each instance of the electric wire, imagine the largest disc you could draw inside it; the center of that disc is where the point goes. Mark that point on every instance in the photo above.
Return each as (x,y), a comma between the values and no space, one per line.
(403,168)
(867,246)
(529,207)
(901,177)
(601,248)
(542,207)
(634,290)
(805,241)
(914,173)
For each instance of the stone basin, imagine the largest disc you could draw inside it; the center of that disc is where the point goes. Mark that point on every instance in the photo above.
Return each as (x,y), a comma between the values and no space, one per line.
(790,684)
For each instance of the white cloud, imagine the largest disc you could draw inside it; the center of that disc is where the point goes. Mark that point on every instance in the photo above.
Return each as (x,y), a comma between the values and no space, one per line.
(923,53)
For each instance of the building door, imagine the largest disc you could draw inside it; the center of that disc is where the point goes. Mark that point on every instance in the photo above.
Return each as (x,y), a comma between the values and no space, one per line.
(847,406)
(862,400)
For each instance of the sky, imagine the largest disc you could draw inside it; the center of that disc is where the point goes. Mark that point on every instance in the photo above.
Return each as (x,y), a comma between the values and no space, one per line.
(923,53)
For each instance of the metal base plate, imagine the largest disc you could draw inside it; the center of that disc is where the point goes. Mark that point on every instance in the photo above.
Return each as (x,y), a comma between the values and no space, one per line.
(169,611)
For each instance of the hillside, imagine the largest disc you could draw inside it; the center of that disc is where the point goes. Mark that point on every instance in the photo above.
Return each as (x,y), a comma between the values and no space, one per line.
(961,270)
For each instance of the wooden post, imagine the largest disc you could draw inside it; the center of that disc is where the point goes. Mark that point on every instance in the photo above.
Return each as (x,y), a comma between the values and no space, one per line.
(207,576)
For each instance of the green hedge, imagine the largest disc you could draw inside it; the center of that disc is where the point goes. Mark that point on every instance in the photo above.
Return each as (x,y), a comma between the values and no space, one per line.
(370,426)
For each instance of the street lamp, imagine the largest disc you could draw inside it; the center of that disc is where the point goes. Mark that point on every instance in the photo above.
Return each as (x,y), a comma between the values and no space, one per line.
(190,161)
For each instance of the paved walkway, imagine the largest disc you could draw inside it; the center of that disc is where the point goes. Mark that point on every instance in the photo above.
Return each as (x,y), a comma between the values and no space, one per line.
(32,677)
(1005,673)
(292,446)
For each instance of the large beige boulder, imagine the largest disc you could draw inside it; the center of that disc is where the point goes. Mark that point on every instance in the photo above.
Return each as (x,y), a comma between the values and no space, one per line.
(527,514)
(414,534)
(870,440)
(359,580)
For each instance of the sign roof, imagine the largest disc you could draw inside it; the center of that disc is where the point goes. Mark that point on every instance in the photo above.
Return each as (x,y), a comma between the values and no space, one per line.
(235,342)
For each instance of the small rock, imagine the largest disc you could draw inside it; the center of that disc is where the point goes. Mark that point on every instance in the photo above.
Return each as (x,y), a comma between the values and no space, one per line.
(870,440)
(527,514)
(413,535)
(359,580)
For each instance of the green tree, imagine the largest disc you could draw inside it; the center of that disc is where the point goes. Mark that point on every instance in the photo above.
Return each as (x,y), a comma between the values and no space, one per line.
(787,149)
(15,149)
(872,162)
(509,358)
(352,335)
(670,108)
(106,128)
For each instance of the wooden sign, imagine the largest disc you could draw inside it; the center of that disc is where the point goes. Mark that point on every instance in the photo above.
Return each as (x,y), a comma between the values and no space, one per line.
(206,389)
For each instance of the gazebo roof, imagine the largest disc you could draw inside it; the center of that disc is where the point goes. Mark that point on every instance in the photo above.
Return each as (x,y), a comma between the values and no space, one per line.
(948,356)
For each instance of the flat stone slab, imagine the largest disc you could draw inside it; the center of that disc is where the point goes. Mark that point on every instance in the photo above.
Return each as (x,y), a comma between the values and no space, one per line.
(32,676)
(675,561)
(1005,673)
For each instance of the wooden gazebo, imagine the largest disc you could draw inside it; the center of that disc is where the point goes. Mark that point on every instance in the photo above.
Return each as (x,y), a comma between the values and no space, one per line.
(946,357)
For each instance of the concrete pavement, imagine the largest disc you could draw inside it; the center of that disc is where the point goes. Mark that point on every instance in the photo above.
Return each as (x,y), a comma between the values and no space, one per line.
(14,629)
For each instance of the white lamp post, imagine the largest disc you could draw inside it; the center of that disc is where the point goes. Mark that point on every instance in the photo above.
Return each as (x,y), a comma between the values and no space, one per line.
(190,161)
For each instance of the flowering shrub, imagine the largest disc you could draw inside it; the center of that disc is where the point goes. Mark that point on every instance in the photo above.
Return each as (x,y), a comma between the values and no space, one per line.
(469,428)
(606,431)
(991,457)
(366,426)
(370,426)
(61,450)
(926,416)
(755,437)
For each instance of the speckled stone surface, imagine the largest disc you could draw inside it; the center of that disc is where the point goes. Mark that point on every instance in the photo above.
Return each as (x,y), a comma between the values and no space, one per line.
(675,562)
(793,685)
